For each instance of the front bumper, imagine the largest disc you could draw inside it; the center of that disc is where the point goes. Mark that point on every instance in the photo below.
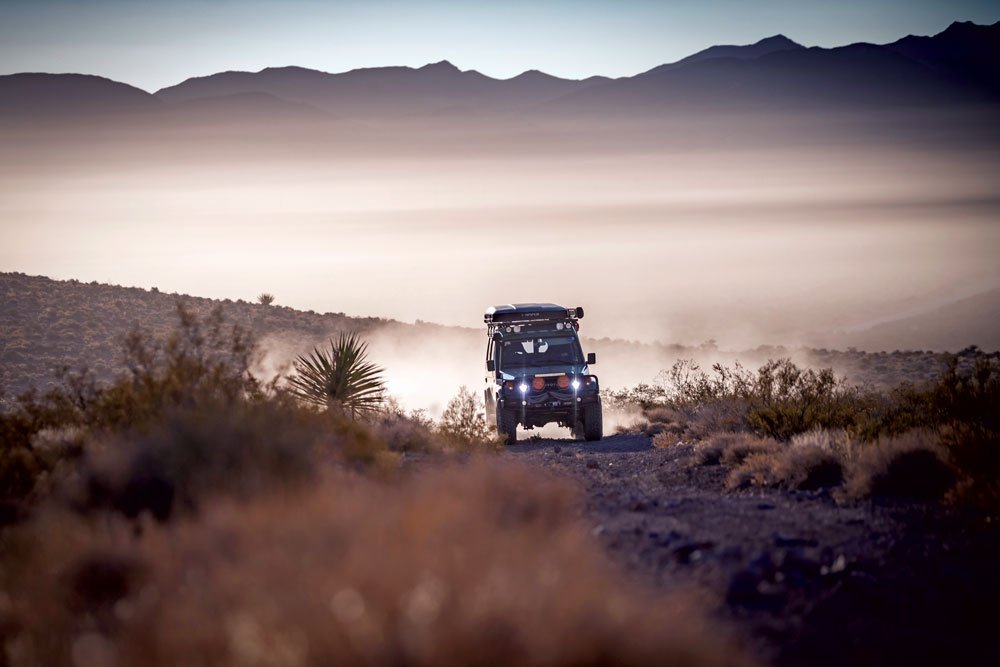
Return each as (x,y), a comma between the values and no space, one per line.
(548,400)
(538,408)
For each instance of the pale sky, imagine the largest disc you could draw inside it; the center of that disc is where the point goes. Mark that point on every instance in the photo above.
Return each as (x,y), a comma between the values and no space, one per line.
(155,44)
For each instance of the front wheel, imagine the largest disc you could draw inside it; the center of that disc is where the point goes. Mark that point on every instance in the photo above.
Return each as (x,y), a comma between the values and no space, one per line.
(593,422)
(507,426)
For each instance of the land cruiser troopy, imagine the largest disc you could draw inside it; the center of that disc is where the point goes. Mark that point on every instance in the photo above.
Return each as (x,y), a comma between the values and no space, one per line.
(536,373)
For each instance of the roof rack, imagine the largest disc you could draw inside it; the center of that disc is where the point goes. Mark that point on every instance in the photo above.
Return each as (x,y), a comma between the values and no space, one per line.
(530,312)
(517,318)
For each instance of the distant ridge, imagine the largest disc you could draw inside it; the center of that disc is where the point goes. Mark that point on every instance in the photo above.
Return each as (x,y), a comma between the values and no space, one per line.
(748,52)
(40,94)
(950,327)
(959,66)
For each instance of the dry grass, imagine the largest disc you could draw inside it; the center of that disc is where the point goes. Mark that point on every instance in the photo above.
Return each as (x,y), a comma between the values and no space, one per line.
(740,446)
(809,468)
(756,470)
(483,564)
(908,467)
(731,448)
(811,461)
(709,452)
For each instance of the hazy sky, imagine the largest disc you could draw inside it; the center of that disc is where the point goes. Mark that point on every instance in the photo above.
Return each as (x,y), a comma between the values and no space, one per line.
(154,44)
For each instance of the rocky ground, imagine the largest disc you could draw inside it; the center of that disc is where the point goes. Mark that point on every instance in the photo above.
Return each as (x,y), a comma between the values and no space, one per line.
(801,578)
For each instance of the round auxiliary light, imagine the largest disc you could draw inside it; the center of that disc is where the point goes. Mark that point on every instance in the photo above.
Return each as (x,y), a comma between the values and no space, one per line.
(563,381)
(538,384)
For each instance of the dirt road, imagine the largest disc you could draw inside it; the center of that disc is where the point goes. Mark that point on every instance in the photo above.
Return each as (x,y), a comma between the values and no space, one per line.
(801,578)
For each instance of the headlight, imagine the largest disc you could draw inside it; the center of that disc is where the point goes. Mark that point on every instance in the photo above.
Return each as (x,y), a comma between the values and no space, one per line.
(576,383)
(523,388)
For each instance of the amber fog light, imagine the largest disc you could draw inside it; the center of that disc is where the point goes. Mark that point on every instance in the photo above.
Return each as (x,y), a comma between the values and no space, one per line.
(538,384)
(563,381)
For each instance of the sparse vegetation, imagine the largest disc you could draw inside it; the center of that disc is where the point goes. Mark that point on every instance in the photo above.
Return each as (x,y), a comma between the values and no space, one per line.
(786,426)
(188,513)
(48,324)
(265,299)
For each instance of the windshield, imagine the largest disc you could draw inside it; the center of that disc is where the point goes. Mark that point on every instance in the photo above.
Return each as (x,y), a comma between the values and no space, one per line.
(540,351)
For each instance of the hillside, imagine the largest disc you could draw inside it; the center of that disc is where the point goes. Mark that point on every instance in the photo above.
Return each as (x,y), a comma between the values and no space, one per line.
(953,326)
(46,325)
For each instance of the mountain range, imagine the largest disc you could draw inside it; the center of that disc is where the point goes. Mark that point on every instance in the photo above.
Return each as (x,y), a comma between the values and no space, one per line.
(957,67)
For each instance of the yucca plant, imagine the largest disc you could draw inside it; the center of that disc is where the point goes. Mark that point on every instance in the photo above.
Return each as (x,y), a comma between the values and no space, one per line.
(265,299)
(341,378)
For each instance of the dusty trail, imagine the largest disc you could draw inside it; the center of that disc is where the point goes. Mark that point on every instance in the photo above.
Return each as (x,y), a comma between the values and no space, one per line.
(802,578)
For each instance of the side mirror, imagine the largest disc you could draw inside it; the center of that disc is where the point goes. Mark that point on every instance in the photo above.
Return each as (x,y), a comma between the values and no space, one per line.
(491,366)
(591,358)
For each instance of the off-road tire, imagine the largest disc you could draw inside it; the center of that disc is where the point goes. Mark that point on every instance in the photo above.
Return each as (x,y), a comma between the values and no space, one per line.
(593,422)
(491,409)
(507,426)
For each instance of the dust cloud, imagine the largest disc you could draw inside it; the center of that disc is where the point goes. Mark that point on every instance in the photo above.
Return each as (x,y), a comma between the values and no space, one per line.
(747,231)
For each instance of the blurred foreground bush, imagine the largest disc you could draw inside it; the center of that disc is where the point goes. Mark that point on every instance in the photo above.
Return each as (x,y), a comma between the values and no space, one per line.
(485,563)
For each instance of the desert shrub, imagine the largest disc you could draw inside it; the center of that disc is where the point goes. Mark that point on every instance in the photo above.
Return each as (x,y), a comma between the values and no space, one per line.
(787,400)
(730,448)
(846,447)
(192,454)
(265,299)
(340,379)
(738,446)
(910,467)
(810,461)
(479,564)
(723,415)
(38,432)
(969,406)
(663,414)
(709,452)
(464,425)
(205,360)
(972,397)
(664,440)
(808,467)
(975,454)
(406,433)
(778,400)
(756,470)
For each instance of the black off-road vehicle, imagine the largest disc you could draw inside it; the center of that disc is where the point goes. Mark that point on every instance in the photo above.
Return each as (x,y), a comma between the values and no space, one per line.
(536,373)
